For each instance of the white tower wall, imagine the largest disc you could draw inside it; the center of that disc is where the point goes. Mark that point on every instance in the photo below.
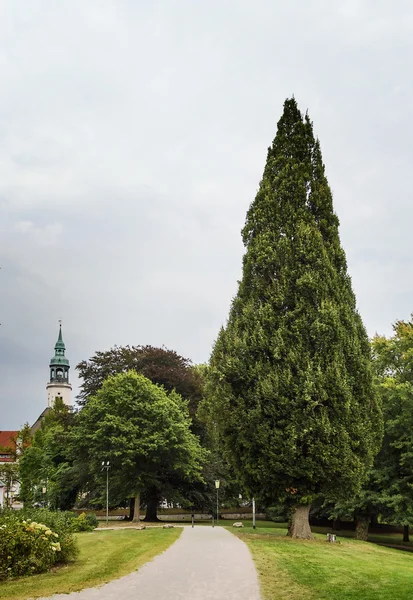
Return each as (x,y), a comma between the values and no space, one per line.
(61,390)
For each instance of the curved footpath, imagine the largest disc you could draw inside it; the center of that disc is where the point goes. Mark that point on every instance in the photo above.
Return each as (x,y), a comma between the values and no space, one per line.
(205,563)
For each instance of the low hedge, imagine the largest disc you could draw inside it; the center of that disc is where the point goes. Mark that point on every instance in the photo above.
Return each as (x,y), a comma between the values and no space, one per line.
(62,520)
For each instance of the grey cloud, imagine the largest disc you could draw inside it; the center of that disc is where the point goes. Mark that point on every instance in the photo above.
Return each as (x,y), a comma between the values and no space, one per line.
(133,137)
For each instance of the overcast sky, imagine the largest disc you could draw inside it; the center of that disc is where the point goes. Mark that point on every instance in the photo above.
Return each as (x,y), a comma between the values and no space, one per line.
(133,136)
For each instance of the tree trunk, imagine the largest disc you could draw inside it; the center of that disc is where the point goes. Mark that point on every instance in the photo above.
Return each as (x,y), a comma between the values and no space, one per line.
(362,528)
(152,509)
(299,526)
(136,509)
(405,533)
(131,508)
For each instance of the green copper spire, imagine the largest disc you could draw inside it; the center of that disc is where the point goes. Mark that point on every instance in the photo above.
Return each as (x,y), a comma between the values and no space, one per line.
(59,364)
(60,345)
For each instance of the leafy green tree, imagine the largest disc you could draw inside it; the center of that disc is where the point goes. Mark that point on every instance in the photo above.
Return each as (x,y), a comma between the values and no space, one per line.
(387,492)
(46,464)
(290,386)
(393,367)
(144,433)
(162,366)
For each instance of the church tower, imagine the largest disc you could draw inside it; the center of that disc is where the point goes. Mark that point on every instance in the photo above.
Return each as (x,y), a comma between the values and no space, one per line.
(59,386)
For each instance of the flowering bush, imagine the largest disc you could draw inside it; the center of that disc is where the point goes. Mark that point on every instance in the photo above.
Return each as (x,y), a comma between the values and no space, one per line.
(26,548)
(61,523)
(32,541)
(85,522)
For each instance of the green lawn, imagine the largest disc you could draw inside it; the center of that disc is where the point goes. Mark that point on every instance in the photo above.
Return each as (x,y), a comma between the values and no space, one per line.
(298,570)
(104,555)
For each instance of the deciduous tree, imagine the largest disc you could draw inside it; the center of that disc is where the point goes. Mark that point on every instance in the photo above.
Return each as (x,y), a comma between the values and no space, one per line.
(46,463)
(162,366)
(143,431)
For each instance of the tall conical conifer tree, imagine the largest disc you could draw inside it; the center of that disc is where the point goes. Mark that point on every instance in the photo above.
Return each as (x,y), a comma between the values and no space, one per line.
(290,386)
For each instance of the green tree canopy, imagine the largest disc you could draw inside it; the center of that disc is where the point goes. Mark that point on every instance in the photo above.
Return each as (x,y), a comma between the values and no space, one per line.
(46,463)
(290,387)
(393,366)
(162,366)
(143,431)
(387,492)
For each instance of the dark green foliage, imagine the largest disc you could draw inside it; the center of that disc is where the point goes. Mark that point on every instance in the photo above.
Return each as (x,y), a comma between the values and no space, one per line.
(160,365)
(144,433)
(290,385)
(276,513)
(91,520)
(388,490)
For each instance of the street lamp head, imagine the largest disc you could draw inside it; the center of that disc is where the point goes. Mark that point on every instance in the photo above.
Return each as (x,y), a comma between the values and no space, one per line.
(217,483)
(107,463)
(103,463)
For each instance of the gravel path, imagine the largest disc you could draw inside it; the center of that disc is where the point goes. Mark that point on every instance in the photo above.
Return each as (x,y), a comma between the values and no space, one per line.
(205,563)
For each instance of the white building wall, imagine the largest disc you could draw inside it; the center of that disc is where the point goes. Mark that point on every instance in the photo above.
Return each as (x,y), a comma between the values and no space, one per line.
(15,489)
(62,390)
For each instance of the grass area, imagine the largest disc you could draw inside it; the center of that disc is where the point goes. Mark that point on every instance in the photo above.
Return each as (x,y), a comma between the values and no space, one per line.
(349,570)
(389,539)
(104,555)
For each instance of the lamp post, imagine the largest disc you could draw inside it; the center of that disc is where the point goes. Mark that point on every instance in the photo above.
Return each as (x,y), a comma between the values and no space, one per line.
(217,488)
(106,465)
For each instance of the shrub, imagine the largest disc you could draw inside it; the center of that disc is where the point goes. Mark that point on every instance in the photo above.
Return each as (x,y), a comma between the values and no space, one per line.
(61,523)
(26,548)
(56,519)
(92,520)
(84,522)
(58,522)
(277,513)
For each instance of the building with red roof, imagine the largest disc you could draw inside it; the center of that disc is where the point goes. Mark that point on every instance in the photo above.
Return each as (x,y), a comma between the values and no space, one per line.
(8,446)
(58,386)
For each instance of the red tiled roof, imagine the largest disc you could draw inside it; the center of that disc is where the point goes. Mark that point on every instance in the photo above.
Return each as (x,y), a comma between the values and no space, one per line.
(7,439)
